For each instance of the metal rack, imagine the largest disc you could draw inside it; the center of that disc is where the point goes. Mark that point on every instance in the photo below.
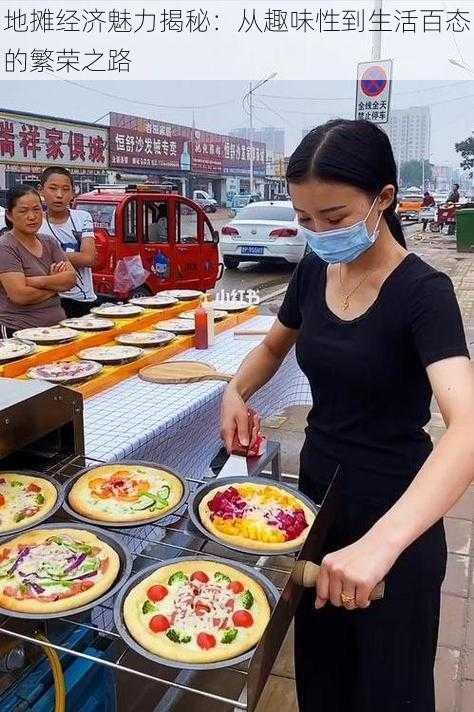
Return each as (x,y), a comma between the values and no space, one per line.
(174,536)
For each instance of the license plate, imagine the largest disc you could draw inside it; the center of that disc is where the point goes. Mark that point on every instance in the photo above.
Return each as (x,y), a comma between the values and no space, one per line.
(251,250)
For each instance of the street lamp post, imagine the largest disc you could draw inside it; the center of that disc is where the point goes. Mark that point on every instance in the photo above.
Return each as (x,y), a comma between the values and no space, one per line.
(251,135)
(250,95)
(377,35)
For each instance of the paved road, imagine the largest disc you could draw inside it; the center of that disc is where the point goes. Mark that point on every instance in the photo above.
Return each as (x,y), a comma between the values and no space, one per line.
(261,277)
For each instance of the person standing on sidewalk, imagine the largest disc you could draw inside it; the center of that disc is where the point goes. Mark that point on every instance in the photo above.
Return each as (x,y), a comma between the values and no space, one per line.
(74,231)
(428,202)
(377,332)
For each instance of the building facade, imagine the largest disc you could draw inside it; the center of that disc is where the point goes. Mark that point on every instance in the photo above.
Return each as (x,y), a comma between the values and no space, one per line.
(409,131)
(198,160)
(273,138)
(29,143)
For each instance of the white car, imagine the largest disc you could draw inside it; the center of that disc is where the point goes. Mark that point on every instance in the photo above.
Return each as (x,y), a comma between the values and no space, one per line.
(263,232)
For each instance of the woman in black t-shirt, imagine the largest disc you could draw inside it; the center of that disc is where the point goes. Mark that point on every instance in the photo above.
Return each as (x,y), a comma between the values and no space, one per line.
(377,332)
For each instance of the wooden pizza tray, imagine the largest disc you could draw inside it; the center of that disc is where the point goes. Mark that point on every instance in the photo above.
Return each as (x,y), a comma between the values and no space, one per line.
(125,570)
(120,525)
(269,588)
(222,483)
(57,505)
(174,372)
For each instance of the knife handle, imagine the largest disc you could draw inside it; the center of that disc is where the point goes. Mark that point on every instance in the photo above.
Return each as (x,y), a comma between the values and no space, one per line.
(237,447)
(306,574)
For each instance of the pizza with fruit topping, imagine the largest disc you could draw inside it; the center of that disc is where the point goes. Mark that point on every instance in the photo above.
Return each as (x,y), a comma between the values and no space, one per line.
(197,612)
(125,493)
(24,499)
(256,516)
(53,570)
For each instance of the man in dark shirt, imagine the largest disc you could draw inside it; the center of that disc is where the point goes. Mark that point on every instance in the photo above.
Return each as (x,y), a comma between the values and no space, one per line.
(428,202)
(454,194)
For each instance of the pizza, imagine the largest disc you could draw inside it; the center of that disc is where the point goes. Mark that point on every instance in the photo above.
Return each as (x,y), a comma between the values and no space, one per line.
(256,516)
(11,349)
(120,311)
(182,294)
(47,334)
(53,570)
(197,612)
(230,305)
(110,354)
(88,323)
(145,338)
(125,493)
(176,326)
(65,371)
(24,499)
(157,301)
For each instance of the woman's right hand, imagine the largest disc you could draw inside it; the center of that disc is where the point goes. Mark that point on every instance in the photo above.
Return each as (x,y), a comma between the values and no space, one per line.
(235,419)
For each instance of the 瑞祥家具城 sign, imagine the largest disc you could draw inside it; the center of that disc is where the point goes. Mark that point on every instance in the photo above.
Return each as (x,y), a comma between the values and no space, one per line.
(374,82)
(25,139)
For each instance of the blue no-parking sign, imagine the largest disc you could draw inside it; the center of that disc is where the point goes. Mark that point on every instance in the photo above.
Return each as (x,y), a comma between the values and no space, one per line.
(374,82)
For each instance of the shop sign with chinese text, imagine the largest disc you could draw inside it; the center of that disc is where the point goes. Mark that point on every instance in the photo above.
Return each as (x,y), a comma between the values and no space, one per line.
(29,140)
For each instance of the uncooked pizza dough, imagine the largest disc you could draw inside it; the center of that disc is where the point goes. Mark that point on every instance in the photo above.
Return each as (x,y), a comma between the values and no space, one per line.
(197,612)
(53,570)
(24,499)
(125,493)
(256,516)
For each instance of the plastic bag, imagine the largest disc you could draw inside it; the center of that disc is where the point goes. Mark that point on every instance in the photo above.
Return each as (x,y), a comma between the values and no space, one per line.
(129,274)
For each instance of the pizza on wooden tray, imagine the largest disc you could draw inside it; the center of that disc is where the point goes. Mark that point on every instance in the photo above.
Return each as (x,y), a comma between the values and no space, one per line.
(256,516)
(24,499)
(125,493)
(53,570)
(197,612)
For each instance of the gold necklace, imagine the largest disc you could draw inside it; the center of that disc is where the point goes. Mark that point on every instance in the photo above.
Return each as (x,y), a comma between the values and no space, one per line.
(345,302)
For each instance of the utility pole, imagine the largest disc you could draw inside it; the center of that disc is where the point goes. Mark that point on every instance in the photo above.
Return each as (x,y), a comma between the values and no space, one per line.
(251,135)
(377,35)
(250,96)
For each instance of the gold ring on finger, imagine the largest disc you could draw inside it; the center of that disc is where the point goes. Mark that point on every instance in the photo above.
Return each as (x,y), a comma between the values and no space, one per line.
(347,600)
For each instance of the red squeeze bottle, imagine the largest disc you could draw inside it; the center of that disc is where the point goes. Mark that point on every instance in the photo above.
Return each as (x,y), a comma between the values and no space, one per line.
(201,332)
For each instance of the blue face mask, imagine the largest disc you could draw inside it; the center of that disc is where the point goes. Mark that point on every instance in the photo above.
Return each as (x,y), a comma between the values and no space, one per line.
(344,244)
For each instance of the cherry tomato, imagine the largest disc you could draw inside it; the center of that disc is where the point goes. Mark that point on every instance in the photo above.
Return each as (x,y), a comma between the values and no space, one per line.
(159,624)
(206,641)
(242,619)
(33,488)
(157,593)
(235,587)
(200,576)
(2,500)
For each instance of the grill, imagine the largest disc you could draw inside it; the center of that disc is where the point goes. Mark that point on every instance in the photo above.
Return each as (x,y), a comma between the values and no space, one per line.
(49,419)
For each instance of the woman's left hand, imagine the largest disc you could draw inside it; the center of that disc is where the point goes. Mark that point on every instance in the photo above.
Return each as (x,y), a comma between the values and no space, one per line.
(348,576)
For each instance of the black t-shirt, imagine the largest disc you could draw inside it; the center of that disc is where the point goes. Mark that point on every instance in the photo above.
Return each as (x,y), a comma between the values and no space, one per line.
(371,394)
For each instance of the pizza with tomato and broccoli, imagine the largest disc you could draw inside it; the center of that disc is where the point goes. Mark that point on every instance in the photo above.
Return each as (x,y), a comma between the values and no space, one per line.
(197,612)
(53,570)
(125,493)
(256,516)
(24,499)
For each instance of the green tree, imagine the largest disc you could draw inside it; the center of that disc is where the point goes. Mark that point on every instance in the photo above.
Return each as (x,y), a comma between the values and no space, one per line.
(411,173)
(466,149)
